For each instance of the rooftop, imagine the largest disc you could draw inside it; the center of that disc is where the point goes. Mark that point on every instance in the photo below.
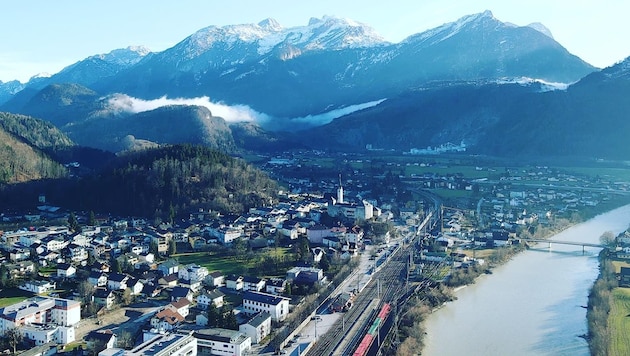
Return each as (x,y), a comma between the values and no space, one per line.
(263,298)
(221,335)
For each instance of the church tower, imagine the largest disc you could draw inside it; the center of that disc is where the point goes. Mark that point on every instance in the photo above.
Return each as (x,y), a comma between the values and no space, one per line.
(340,192)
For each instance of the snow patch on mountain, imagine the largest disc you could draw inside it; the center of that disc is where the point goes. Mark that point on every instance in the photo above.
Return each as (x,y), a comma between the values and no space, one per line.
(545,86)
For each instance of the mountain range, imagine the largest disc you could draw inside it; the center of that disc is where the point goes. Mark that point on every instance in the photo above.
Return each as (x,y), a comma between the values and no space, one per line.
(499,88)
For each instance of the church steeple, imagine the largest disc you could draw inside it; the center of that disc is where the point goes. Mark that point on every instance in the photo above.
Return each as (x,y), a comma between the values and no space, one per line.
(340,192)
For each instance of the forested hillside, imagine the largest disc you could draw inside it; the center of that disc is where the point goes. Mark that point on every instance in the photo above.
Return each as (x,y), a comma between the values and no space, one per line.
(158,183)
(22,141)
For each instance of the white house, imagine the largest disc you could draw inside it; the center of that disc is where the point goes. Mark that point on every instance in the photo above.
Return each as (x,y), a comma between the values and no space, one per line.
(204,300)
(193,273)
(234,282)
(227,235)
(166,319)
(222,342)
(257,328)
(65,270)
(169,267)
(135,285)
(117,281)
(181,306)
(253,284)
(50,333)
(97,279)
(276,306)
(38,287)
(216,279)
(275,286)
(104,297)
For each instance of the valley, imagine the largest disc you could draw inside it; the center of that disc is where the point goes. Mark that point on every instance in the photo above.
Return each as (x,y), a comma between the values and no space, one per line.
(239,186)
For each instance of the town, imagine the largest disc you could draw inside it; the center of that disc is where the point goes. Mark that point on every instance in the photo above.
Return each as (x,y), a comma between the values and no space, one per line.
(223,284)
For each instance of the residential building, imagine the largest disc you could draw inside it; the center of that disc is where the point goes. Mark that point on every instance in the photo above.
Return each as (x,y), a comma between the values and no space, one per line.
(168,267)
(117,281)
(234,282)
(227,235)
(213,297)
(40,310)
(97,279)
(222,342)
(180,306)
(135,285)
(104,297)
(106,338)
(38,287)
(193,273)
(48,333)
(276,286)
(166,319)
(65,270)
(169,344)
(181,292)
(258,327)
(253,284)
(276,306)
(216,279)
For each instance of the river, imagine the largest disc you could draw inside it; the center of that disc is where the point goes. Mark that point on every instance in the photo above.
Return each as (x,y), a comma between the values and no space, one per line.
(532,305)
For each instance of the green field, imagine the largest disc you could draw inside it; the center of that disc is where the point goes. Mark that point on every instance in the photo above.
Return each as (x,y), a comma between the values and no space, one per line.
(614,174)
(12,295)
(619,322)
(229,264)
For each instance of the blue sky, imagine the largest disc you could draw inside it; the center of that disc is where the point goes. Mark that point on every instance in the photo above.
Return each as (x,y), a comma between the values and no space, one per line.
(44,36)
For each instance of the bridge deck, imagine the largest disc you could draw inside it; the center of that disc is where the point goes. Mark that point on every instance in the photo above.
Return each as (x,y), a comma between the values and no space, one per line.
(574,243)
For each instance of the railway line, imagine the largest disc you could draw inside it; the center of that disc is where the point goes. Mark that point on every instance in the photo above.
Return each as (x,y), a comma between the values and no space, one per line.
(386,286)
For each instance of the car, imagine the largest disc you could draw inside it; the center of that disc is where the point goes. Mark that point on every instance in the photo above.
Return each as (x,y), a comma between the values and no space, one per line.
(316,317)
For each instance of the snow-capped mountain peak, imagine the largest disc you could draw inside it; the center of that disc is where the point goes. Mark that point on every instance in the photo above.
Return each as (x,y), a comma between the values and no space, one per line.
(450,29)
(541,28)
(270,24)
(124,56)
(329,33)
(41,75)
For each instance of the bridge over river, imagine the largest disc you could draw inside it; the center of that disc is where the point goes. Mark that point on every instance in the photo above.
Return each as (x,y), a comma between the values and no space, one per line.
(574,243)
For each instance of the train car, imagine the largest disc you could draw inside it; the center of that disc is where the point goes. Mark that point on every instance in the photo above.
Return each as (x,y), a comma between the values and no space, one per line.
(364,346)
(374,328)
(373,331)
(384,311)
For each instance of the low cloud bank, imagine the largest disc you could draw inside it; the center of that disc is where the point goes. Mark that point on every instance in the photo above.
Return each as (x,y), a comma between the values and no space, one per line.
(123,103)
(322,119)
(230,113)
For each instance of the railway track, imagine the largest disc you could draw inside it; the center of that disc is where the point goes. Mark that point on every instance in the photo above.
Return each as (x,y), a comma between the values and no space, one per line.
(392,278)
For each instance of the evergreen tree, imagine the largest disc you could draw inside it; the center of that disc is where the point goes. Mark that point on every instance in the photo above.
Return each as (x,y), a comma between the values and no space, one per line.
(229,320)
(214,315)
(172,247)
(92,219)
(324,263)
(73,223)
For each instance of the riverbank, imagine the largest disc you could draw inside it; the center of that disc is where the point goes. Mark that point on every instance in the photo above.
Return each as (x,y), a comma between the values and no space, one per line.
(412,336)
(607,313)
